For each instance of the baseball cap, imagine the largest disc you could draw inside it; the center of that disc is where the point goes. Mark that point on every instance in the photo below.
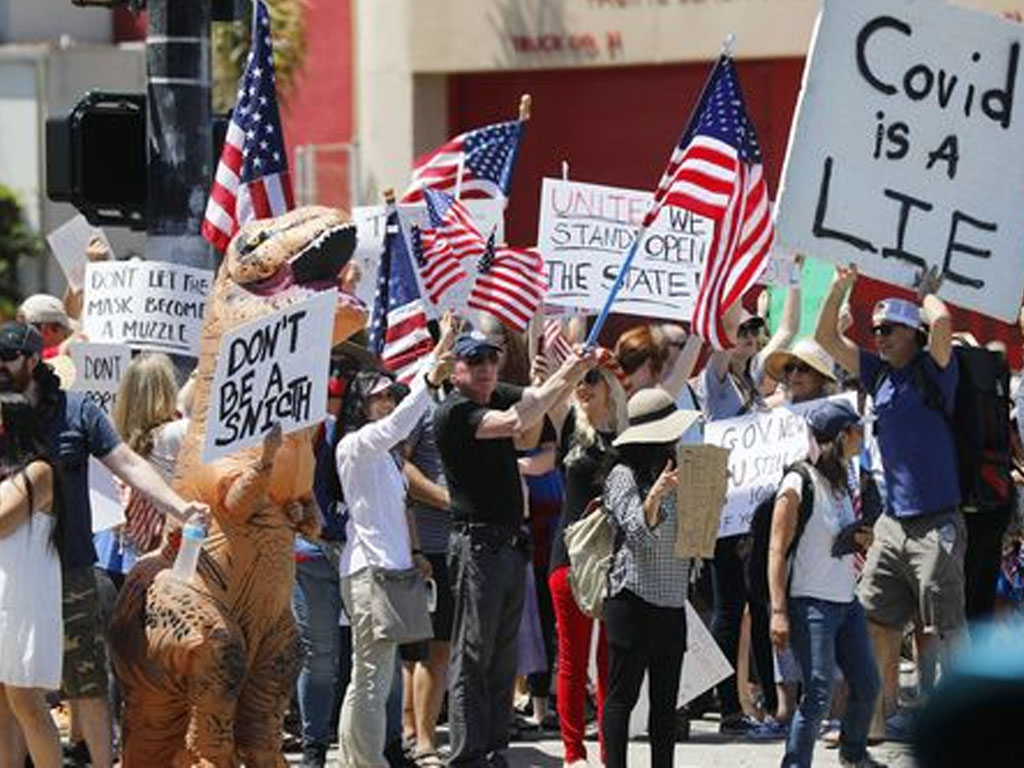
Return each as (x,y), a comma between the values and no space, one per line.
(899,311)
(831,418)
(19,339)
(44,308)
(473,344)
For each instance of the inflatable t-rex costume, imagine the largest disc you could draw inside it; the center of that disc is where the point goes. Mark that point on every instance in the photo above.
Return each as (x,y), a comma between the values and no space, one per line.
(207,667)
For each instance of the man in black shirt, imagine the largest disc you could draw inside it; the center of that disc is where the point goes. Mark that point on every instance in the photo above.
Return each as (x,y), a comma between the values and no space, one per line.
(475,428)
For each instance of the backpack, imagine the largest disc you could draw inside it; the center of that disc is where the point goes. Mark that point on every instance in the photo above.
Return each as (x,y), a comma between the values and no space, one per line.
(756,566)
(980,424)
(590,542)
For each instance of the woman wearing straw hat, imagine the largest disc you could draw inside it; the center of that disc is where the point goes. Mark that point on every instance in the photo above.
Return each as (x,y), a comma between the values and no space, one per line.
(645,615)
(806,371)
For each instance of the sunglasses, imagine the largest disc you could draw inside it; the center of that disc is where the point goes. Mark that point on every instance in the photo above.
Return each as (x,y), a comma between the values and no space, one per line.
(591,377)
(884,329)
(483,357)
(791,368)
(10,355)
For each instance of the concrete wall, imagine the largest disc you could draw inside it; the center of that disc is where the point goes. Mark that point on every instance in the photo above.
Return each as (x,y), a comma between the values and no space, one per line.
(32,21)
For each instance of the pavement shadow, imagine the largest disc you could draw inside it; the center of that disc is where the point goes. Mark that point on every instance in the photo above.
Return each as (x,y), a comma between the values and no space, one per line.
(528,755)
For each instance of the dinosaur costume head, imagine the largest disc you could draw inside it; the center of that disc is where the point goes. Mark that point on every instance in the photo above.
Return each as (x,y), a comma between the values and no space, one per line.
(207,666)
(269,264)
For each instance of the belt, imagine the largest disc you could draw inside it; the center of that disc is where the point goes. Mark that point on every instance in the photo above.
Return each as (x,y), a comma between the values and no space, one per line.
(493,534)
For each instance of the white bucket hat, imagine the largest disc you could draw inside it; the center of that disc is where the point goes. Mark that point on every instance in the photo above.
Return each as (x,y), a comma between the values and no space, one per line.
(806,351)
(654,418)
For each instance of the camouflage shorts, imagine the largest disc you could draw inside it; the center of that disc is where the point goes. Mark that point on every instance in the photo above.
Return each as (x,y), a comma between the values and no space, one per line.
(85,653)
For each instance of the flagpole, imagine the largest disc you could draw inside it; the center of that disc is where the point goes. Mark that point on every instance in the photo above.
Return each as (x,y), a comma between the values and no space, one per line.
(595,331)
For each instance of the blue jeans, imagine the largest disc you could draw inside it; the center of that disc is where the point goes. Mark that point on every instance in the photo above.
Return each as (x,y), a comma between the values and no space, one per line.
(825,634)
(316,603)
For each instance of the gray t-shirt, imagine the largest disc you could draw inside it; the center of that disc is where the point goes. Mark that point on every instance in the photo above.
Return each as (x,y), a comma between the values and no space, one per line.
(433,524)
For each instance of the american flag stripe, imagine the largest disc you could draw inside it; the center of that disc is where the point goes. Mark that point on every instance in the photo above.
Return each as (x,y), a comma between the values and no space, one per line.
(407,340)
(510,286)
(556,345)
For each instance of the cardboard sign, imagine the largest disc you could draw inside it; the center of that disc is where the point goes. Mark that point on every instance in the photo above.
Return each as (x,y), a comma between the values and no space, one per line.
(146,305)
(704,666)
(700,496)
(761,445)
(370,221)
(271,371)
(98,371)
(908,150)
(585,232)
(69,243)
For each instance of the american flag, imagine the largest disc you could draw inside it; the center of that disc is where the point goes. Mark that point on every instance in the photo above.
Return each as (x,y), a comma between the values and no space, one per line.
(481,159)
(252,180)
(510,285)
(451,237)
(398,328)
(556,344)
(716,171)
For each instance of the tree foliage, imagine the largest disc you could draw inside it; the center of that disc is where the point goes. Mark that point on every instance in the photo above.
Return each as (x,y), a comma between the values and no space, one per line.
(16,240)
(231,46)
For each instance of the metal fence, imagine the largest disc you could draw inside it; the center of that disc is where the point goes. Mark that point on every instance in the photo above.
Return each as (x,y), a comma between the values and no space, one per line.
(326,174)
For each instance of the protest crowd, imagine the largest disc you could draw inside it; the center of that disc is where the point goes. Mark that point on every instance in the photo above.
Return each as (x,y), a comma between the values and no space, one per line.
(517,513)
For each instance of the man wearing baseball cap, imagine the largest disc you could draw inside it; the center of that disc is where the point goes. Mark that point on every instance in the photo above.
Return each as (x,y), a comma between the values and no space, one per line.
(475,429)
(76,428)
(914,569)
(47,315)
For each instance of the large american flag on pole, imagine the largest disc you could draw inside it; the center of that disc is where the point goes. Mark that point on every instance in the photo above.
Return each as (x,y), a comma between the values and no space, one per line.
(252,180)
(716,171)
(398,328)
(475,164)
(510,285)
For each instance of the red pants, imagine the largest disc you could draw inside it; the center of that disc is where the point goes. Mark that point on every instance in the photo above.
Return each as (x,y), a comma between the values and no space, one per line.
(574,633)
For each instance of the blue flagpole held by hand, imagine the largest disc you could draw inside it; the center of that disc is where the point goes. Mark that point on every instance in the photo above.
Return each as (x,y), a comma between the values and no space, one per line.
(595,331)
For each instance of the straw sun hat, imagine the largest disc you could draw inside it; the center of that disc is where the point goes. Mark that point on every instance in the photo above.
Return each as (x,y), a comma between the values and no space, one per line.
(654,418)
(806,351)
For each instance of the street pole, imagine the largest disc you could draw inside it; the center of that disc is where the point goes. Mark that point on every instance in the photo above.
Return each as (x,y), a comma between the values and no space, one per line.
(179,131)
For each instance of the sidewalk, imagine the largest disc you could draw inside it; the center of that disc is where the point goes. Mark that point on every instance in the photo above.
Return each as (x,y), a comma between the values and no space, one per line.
(706,749)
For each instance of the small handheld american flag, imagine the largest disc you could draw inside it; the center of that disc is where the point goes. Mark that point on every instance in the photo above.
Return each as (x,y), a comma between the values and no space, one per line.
(475,164)
(451,237)
(510,284)
(252,180)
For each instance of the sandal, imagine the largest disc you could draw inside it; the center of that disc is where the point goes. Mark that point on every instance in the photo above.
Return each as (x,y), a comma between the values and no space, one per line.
(428,760)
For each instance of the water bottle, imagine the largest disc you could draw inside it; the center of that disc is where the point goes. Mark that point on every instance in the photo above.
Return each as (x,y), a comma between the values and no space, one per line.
(192,535)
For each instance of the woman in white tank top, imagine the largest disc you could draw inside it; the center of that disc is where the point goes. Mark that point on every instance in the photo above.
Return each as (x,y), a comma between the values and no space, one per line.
(31,635)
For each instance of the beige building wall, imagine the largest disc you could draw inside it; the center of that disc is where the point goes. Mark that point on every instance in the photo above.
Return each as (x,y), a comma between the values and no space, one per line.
(405,49)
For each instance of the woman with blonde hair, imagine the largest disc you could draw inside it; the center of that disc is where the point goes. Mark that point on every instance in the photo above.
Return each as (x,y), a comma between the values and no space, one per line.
(146,417)
(595,418)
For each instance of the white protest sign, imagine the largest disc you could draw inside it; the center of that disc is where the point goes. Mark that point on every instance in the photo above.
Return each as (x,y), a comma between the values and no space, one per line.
(704,666)
(907,150)
(370,221)
(271,371)
(104,498)
(584,233)
(146,304)
(69,242)
(98,371)
(761,445)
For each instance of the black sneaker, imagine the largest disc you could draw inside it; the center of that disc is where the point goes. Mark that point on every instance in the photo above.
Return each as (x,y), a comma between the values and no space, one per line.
(314,757)
(738,725)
